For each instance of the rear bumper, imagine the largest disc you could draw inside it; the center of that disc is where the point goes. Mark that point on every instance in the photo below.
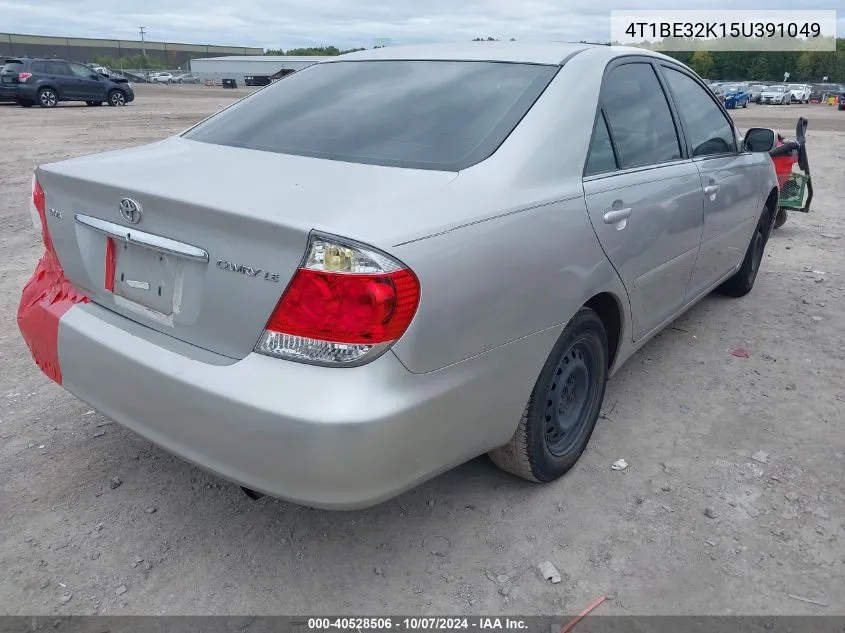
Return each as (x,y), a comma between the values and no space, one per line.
(8,93)
(324,437)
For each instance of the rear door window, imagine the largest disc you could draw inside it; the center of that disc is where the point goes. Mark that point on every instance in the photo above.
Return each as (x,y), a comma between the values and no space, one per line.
(445,115)
(59,68)
(639,116)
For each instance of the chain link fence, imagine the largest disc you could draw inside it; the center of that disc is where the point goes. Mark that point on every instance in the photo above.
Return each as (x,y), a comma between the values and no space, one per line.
(158,75)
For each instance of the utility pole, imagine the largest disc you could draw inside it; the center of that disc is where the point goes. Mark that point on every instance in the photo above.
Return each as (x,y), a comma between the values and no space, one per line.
(143,48)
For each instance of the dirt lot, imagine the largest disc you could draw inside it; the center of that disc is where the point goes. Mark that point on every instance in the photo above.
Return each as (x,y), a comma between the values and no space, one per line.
(684,413)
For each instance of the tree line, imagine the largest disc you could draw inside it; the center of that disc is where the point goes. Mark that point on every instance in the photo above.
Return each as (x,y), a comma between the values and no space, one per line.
(312,51)
(802,66)
(808,66)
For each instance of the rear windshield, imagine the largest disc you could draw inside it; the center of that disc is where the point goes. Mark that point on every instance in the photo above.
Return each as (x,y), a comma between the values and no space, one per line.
(444,115)
(12,66)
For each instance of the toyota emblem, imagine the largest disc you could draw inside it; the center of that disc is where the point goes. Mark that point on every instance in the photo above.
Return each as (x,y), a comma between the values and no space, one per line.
(130,211)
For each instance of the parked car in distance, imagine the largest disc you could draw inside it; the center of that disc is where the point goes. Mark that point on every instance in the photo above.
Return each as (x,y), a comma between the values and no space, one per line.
(185,78)
(135,77)
(755,90)
(776,95)
(800,93)
(820,92)
(842,100)
(100,69)
(161,78)
(321,350)
(46,82)
(736,95)
(718,91)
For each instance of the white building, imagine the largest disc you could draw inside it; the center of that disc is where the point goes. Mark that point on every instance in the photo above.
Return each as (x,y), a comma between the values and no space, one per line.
(238,67)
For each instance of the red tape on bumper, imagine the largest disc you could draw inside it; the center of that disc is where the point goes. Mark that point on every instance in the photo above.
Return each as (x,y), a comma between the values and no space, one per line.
(45,298)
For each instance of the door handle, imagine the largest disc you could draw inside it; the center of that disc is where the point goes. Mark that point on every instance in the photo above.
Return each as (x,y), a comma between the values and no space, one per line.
(711,190)
(617,215)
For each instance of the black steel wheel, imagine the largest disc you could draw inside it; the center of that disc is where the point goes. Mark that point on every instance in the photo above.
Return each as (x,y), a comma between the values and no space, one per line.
(743,281)
(567,396)
(564,405)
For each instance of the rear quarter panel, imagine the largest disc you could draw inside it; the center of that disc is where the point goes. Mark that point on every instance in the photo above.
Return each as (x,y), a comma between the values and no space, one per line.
(497,281)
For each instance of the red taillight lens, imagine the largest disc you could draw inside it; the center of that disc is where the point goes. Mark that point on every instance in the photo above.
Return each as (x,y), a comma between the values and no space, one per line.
(343,305)
(24,76)
(347,308)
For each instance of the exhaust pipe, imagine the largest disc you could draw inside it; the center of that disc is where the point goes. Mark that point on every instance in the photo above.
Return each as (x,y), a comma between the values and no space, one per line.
(252,494)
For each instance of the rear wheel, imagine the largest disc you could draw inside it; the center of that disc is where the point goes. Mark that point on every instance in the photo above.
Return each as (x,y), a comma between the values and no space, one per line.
(564,405)
(47,98)
(743,281)
(117,98)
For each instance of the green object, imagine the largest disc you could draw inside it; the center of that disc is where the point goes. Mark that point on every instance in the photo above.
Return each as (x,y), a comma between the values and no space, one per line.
(792,192)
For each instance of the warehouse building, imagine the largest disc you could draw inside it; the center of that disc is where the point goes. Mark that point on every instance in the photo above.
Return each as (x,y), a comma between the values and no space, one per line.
(84,50)
(250,70)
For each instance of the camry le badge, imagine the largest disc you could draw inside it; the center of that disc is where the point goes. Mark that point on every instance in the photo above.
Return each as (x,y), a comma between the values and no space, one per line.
(130,210)
(249,271)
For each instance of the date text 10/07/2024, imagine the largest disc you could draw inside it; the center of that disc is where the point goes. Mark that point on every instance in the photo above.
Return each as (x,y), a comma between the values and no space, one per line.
(417,624)
(705,30)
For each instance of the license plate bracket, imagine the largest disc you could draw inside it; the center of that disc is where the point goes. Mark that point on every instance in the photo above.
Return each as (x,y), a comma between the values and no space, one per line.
(142,275)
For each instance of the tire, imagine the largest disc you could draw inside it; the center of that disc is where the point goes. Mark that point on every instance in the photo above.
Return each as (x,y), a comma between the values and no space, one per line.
(25,103)
(743,281)
(552,435)
(94,104)
(781,217)
(745,104)
(47,98)
(117,98)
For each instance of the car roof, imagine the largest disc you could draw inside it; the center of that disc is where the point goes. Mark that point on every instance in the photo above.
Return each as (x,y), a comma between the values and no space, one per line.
(550,53)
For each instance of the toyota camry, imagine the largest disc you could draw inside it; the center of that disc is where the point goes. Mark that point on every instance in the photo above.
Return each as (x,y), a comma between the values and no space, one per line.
(443,251)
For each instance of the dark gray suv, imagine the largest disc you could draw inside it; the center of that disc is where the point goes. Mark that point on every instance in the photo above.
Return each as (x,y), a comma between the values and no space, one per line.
(31,80)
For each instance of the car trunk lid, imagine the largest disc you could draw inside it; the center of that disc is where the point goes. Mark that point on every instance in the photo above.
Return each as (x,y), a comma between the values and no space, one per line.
(199,241)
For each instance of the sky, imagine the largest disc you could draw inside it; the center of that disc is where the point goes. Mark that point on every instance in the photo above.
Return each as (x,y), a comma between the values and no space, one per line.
(344,23)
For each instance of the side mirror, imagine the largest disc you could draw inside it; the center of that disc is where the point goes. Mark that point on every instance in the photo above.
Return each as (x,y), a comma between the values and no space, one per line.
(95,76)
(759,139)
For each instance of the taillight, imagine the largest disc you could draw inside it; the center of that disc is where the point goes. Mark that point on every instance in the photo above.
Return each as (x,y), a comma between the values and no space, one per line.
(24,76)
(346,304)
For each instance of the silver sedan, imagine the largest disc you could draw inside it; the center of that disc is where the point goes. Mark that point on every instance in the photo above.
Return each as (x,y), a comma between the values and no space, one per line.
(394,261)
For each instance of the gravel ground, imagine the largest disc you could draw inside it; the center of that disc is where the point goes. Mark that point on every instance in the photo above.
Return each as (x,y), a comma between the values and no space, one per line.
(732,504)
